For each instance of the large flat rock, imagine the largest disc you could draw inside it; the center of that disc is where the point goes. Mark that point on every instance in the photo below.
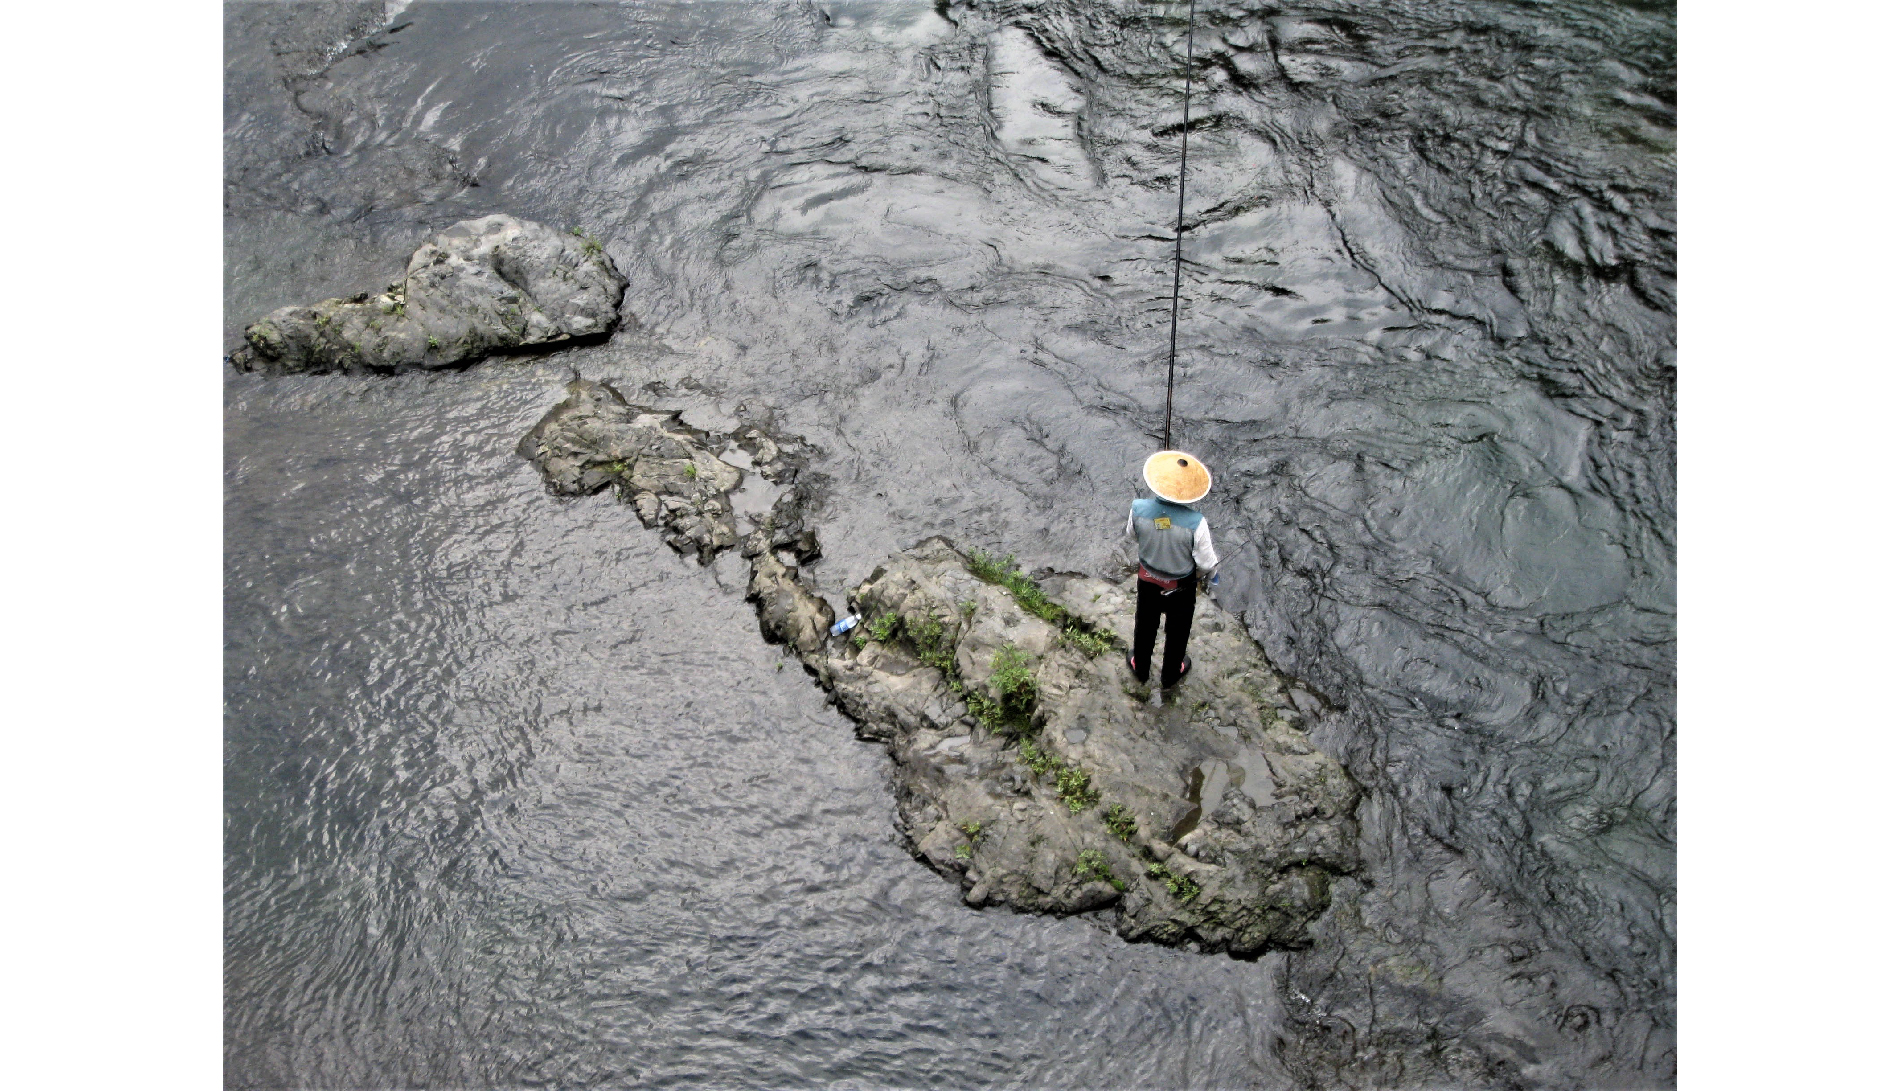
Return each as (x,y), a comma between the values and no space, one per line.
(1203,816)
(1030,766)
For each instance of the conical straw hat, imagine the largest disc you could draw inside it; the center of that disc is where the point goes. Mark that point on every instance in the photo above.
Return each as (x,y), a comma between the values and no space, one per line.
(1177,476)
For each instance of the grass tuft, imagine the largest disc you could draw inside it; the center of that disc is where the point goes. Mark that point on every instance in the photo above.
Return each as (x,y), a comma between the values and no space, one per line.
(1003,572)
(589,244)
(1088,641)
(1091,865)
(1014,680)
(934,646)
(1037,760)
(987,712)
(1183,888)
(1072,783)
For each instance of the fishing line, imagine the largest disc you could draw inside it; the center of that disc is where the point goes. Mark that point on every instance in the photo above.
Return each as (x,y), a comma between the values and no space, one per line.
(1180,213)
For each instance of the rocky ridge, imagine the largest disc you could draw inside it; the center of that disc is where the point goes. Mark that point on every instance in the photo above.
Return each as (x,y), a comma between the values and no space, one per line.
(1031,768)
(482,286)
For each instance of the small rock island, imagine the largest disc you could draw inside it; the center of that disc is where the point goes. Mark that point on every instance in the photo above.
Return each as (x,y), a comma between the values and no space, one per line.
(482,286)
(1031,767)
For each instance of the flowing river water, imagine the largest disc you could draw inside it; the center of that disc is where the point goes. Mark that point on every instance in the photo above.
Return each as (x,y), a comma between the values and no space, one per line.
(516,796)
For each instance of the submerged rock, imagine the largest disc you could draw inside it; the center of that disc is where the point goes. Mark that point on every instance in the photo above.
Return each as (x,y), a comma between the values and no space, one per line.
(482,286)
(1031,767)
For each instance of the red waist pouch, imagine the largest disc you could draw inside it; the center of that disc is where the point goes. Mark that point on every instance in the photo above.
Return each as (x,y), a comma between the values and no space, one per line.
(1159,581)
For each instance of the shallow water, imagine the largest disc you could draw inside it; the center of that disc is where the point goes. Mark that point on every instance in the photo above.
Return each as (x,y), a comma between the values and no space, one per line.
(516,796)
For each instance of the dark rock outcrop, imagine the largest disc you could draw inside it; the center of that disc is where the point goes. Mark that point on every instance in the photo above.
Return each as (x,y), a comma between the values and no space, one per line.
(1031,767)
(670,472)
(482,286)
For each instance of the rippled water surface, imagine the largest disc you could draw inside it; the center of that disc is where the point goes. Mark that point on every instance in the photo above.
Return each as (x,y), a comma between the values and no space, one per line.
(516,796)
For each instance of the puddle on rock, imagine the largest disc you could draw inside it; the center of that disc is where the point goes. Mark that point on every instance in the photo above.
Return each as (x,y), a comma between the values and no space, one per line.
(1254,776)
(1208,780)
(754,497)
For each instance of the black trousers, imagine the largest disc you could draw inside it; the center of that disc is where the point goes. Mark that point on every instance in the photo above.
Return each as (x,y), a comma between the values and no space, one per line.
(1151,605)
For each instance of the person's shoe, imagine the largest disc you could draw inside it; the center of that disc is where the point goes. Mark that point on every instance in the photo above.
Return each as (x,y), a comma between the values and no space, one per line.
(1187,664)
(1139,677)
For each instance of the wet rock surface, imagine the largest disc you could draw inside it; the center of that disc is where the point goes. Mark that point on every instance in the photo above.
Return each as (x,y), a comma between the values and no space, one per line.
(677,477)
(1031,766)
(1035,770)
(481,286)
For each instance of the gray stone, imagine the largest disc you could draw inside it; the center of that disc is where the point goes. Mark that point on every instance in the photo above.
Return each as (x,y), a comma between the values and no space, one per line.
(671,475)
(1265,863)
(482,286)
(1030,766)
(788,613)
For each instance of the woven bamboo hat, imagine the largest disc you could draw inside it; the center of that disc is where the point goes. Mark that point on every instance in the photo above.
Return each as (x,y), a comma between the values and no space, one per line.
(1177,476)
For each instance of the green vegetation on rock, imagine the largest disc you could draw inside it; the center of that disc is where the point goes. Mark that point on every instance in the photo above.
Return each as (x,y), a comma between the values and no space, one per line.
(1072,785)
(1072,782)
(1011,677)
(589,244)
(934,646)
(1012,674)
(1003,572)
(1037,760)
(1088,641)
(1014,680)
(883,627)
(1091,865)
(987,712)
(1179,886)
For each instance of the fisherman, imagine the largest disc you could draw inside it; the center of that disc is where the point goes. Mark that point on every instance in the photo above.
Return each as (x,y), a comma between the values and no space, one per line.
(1175,547)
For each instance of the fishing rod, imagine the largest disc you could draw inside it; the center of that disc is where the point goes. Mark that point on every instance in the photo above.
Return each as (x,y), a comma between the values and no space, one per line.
(1180,215)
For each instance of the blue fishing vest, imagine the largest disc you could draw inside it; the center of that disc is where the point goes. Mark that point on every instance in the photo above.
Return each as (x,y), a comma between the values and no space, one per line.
(1165,533)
